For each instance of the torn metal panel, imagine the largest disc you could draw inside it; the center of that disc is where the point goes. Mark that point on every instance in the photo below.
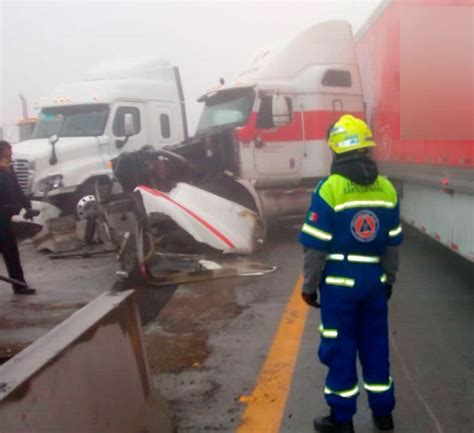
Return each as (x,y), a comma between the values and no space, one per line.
(174,270)
(208,218)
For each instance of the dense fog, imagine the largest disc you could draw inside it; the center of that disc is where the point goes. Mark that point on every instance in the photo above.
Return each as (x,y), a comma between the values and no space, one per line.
(45,43)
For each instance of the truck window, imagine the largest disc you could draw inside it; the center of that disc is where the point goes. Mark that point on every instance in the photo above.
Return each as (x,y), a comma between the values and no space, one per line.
(226,108)
(265,118)
(165,126)
(72,121)
(118,126)
(337,78)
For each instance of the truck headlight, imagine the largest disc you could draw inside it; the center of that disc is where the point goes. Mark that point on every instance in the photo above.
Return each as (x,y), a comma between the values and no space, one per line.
(51,182)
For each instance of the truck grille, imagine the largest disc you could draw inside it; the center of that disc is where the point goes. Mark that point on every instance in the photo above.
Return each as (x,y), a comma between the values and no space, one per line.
(21,170)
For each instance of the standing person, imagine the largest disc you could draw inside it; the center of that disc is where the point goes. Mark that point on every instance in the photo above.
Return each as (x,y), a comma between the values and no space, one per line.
(12,200)
(350,239)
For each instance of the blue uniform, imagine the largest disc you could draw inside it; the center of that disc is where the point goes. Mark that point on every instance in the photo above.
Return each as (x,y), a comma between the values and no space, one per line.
(354,224)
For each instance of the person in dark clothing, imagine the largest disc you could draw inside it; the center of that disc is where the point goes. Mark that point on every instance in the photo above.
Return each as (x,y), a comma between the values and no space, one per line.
(12,200)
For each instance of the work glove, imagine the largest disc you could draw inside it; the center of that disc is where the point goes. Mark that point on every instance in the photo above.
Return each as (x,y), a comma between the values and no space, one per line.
(311,299)
(30,214)
(388,291)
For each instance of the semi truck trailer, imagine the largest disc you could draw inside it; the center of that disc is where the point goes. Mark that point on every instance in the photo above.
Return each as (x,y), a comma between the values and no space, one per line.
(417,66)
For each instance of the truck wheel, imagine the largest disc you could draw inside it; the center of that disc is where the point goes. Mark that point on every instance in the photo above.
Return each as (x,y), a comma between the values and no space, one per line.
(91,188)
(85,190)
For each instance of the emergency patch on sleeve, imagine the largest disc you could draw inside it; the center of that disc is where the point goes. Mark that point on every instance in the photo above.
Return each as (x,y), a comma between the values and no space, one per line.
(365,226)
(313,216)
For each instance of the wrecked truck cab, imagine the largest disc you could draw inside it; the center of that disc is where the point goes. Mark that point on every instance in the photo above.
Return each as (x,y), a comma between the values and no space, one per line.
(259,147)
(176,227)
(174,211)
(276,113)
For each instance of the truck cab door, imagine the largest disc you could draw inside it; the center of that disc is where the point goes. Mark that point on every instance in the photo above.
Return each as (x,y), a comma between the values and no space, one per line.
(120,142)
(278,146)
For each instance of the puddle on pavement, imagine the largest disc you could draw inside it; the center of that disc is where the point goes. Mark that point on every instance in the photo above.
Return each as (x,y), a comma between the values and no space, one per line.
(181,343)
(175,353)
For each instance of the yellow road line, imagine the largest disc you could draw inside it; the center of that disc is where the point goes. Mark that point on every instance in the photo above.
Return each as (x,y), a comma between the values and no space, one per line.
(267,403)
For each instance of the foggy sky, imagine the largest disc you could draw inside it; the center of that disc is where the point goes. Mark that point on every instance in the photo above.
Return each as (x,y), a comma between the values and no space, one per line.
(45,43)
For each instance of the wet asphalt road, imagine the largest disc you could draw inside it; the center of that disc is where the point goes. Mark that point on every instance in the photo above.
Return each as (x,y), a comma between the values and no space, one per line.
(63,287)
(432,336)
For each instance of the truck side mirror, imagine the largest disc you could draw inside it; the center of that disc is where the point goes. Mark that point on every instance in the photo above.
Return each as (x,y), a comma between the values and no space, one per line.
(281,113)
(53,139)
(128,125)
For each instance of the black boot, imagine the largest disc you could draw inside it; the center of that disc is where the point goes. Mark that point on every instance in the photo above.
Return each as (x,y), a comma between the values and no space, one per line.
(24,290)
(384,422)
(327,425)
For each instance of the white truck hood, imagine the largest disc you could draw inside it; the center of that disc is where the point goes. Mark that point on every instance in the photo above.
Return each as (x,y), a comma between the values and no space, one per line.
(77,159)
(40,147)
(32,149)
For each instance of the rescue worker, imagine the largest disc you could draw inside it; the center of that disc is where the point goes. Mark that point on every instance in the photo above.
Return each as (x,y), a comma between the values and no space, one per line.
(350,240)
(12,200)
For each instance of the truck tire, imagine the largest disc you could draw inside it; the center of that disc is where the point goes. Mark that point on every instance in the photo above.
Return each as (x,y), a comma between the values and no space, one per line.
(89,188)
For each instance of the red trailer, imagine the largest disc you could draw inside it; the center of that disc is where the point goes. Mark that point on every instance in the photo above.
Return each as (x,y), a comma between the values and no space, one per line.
(416,60)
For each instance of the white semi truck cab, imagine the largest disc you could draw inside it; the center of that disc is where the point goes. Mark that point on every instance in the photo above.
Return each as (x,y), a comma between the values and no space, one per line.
(121,106)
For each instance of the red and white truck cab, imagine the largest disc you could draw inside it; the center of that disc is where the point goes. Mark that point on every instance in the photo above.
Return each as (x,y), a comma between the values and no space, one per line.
(278,110)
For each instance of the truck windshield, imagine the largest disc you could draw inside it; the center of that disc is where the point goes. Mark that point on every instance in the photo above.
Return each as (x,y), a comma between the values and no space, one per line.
(72,121)
(225,108)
